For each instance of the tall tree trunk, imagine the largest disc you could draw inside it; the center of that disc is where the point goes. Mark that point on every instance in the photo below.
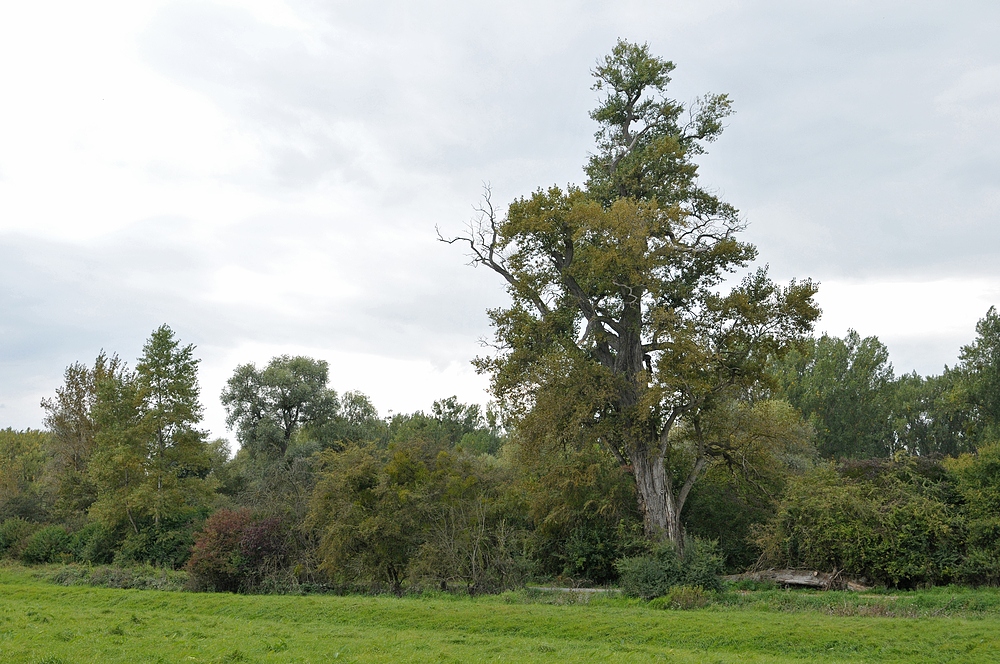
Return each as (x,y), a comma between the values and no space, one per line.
(650,480)
(661,509)
(159,477)
(657,502)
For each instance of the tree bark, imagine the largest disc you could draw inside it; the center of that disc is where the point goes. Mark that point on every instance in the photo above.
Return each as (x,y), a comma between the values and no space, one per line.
(650,480)
(659,503)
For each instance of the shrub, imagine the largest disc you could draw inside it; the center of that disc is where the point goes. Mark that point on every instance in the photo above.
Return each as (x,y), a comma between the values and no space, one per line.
(263,550)
(94,543)
(171,548)
(235,552)
(51,544)
(977,477)
(417,513)
(166,548)
(14,534)
(215,562)
(655,574)
(133,548)
(584,510)
(887,525)
(471,534)
(703,564)
(141,577)
(650,576)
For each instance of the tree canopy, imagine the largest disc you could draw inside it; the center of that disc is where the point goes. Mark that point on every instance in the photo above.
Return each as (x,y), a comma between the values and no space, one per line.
(846,388)
(150,459)
(267,407)
(620,327)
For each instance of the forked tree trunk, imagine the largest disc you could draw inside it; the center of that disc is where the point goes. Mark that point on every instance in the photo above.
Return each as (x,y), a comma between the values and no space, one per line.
(659,502)
(661,511)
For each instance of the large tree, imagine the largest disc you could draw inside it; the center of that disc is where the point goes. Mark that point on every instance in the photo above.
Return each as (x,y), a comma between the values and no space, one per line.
(268,406)
(70,416)
(22,461)
(979,367)
(150,460)
(620,328)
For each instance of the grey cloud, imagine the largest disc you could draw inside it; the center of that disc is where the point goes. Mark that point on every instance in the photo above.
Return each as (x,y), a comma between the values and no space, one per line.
(857,116)
(63,302)
(397,84)
(840,121)
(865,143)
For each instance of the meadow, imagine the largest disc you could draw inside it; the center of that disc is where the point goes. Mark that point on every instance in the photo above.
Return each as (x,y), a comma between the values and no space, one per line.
(43,622)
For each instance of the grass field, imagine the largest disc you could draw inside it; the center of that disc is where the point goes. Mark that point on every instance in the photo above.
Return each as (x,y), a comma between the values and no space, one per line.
(43,622)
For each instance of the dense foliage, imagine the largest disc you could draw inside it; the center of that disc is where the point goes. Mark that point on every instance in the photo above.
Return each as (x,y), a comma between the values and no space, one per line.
(650,429)
(908,494)
(620,332)
(654,574)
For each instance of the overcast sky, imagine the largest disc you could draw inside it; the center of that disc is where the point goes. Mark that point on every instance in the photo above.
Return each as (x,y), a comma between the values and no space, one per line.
(265,176)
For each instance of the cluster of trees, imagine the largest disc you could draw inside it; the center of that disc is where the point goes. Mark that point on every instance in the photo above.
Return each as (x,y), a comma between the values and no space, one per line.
(619,332)
(859,408)
(831,462)
(650,424)
(322,489)
(903,522)
(623,346)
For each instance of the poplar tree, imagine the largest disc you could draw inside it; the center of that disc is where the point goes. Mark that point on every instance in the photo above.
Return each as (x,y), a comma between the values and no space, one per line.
(70,416)
(151,460)
(176,450)
(620,331)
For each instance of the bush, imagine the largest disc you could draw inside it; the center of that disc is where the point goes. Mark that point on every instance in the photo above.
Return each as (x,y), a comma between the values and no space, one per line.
(14,534)
(171,548)
(235,552)
(650,576)
(584,510)
(703,564)
(140,577)
(94,543)
(977,478)
(655,574)
(263,550)
(418,513)
(166,548)
(215,560)
(887,524)
(51,544)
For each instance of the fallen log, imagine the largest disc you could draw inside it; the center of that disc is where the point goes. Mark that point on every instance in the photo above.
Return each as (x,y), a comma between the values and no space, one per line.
(801,579)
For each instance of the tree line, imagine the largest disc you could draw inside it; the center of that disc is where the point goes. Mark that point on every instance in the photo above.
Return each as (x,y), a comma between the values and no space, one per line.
(322,489)
(651,422)
(834,463)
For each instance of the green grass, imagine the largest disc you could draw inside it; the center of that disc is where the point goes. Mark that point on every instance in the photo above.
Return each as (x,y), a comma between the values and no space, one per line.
(43,622)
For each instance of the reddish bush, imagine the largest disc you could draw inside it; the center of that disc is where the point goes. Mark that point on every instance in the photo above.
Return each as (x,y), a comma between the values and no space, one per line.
(235,551)
(216,562)
(263,548)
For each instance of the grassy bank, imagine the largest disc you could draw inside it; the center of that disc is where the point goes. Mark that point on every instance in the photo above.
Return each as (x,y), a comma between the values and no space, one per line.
(44,622)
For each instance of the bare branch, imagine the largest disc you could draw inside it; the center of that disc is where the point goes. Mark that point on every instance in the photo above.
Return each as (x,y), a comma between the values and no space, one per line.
(483,240)
(699,465)
(665,432)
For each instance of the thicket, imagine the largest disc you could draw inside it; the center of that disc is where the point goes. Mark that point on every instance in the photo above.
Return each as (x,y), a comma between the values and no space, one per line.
(325,493)
(635,404)
(449,499)
(664,568)
(907,522)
